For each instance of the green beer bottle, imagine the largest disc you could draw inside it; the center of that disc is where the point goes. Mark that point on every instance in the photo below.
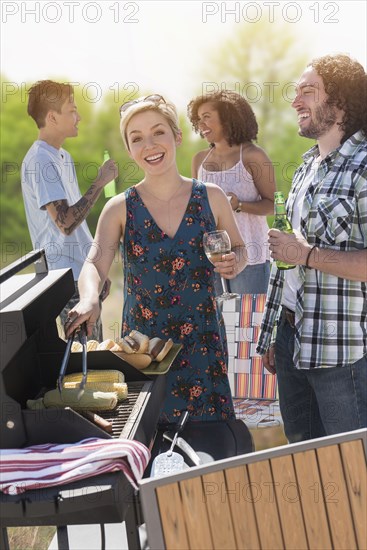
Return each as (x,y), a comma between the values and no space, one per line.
(110,187)
(282,223)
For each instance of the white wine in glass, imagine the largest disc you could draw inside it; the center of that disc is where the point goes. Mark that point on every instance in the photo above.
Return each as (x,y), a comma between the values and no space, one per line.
(216,244)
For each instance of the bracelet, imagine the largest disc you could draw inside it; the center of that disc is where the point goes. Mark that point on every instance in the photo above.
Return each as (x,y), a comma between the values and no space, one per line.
(308,256)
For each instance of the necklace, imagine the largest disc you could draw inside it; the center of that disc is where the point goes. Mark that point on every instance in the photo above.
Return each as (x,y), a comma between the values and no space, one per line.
(166,201)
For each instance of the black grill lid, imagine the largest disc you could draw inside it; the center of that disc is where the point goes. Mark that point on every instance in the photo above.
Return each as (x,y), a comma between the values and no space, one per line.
(29,306)
(32,356)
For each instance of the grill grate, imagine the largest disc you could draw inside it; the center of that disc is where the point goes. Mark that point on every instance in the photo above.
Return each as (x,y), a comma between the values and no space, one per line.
(121,414)
(29,366)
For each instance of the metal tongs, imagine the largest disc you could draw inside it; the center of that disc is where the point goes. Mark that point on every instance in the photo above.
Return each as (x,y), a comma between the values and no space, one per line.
(81,332)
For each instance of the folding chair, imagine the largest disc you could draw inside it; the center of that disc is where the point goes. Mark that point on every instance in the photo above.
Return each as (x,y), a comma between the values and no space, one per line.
(254,389)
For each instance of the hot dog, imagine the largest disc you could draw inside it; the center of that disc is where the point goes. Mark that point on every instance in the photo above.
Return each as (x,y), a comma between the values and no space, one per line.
(155,347)
(162,354)
(141,339)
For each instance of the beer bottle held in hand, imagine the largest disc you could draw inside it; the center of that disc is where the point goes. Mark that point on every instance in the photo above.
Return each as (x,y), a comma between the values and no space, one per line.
(282,223)
(110,187)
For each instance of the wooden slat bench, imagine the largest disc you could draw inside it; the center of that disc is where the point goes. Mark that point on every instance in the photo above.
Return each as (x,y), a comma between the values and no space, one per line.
(304,495)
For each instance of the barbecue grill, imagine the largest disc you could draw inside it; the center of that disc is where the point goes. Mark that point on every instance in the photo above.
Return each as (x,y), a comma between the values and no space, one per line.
(31,355)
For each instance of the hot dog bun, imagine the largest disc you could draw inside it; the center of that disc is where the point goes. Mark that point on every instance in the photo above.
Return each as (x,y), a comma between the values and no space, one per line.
(76,346)
(106,344)
(141,339)
(116,347)
(92,345)
(155,346)
(125,346)
(162,354)
(135,342)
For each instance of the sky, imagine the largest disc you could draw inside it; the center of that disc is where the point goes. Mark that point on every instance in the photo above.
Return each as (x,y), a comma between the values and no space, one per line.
(121,47)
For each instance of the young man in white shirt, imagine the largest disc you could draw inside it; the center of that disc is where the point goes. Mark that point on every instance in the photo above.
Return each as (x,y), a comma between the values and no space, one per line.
(56,211)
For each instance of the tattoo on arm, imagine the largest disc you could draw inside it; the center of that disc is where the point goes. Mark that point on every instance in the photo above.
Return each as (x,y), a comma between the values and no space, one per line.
(79,211)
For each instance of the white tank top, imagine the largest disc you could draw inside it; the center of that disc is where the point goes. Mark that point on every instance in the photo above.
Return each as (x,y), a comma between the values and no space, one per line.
(253,228)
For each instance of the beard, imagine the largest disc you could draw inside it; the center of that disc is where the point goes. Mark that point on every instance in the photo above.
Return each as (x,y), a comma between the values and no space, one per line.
(323,118)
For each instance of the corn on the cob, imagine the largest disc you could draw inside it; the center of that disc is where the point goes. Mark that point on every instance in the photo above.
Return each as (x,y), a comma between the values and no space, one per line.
(113,376)
(119,387)
(89,401)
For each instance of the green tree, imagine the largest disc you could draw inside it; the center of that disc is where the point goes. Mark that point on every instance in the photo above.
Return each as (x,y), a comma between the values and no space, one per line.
(262,61)
(17,132)
(98,130)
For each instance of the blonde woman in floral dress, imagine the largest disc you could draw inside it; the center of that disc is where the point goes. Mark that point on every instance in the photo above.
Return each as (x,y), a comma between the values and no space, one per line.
(168,281)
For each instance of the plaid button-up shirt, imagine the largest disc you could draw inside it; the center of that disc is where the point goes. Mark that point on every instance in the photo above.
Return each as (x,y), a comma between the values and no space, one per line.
(331,312)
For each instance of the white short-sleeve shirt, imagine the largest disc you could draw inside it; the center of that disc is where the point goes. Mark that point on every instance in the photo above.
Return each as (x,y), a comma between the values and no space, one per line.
(48,174)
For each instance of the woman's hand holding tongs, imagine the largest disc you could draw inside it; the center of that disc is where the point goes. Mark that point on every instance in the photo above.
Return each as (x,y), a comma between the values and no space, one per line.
(81,332)
(85,312)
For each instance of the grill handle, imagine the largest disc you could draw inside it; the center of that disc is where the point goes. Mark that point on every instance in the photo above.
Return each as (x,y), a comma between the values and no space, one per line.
(36,257)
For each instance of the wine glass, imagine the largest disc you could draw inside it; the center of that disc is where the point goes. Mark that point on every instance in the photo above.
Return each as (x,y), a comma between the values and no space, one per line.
(216,244)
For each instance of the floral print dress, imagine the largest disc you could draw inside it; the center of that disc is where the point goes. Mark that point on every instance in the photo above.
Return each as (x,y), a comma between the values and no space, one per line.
(169,293)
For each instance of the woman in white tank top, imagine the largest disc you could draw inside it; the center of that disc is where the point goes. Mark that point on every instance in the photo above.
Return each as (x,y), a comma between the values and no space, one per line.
(244,172)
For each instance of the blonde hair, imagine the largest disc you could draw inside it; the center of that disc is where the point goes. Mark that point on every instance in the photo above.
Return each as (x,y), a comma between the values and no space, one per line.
(167,110)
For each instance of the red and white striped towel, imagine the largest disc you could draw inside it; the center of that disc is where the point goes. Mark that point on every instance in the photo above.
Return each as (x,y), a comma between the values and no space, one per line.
(56,464)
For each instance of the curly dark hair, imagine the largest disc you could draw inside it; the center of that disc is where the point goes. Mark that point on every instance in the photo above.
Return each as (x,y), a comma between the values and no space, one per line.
(235,114)
(345,82)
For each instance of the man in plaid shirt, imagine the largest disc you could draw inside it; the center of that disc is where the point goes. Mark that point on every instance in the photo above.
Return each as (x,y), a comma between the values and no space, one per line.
(320,308)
